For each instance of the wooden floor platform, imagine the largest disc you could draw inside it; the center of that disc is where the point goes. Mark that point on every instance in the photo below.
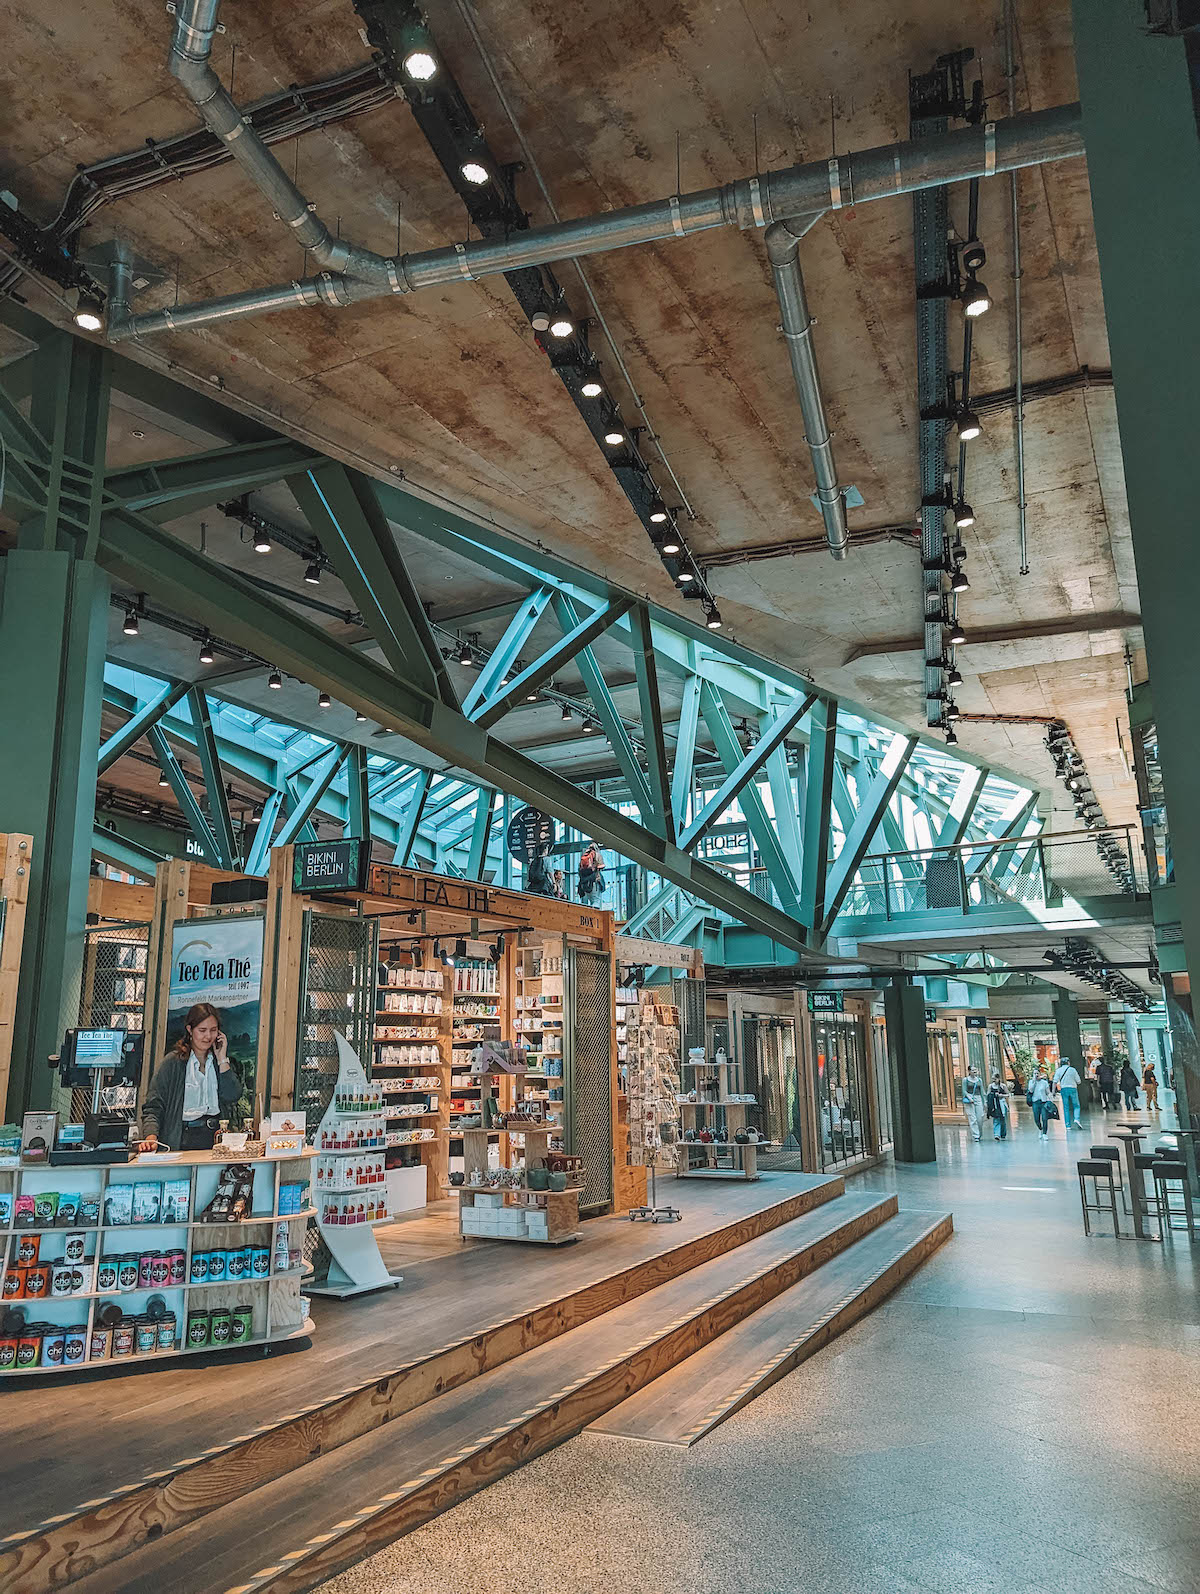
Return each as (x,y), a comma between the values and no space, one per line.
(685,1404)
(95,1465)
(295,1532)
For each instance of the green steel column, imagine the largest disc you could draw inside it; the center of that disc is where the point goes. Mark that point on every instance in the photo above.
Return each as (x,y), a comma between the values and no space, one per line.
(1070,1041)
(908,1059)
(1143,154)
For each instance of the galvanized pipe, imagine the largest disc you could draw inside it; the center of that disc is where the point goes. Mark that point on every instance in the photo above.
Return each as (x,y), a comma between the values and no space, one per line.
(189,63)
(978,151)
(783,251)
(1010,72)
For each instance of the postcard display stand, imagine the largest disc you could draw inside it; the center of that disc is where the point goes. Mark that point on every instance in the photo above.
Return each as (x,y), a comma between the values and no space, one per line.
(350,1181)
(87,1271)
(652,1071)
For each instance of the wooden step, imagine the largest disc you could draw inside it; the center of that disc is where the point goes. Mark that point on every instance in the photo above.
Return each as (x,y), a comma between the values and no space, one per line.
(180,1443)
(689,1402)
(297,1531)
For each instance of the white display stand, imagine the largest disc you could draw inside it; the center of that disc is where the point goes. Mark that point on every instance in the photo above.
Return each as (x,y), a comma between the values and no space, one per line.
(356,1266)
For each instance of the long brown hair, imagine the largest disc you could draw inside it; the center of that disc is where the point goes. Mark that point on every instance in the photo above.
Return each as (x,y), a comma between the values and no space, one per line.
(196,1015)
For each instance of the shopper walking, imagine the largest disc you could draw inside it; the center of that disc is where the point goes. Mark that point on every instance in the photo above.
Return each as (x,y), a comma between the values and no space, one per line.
(1106,1078)
(972,1100)
(1066,1083)
(1040,1096)
(1129,1087)
(1150,1085)
(997,1107)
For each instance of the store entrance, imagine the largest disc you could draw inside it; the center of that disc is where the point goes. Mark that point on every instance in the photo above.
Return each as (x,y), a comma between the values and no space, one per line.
(763,1031)
(945,1067)
(843,1101)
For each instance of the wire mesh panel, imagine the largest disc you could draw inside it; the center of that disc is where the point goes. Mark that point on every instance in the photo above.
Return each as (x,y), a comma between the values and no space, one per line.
(689,997)
(112,992)
(588,1072)
(338,972)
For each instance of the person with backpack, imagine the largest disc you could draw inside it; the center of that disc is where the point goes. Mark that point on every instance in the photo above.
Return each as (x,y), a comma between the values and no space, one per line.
(972,1100)
(1040,1097)
(1066,1083)
(1129,1087)
(591,872)
(997,1107)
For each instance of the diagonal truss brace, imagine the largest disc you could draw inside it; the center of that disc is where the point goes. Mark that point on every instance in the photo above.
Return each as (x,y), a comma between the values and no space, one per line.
(739,778)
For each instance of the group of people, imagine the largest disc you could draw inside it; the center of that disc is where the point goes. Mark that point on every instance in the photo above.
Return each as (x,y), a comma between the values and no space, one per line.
(547,882)
(1051,1095)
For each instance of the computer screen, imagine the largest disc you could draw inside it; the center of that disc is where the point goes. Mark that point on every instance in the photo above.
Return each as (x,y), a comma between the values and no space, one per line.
(99,1048)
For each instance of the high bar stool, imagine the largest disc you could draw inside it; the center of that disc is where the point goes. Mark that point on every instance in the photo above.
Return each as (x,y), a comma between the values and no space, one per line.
(1111,1154)
(1165,1173)
(1145,1163)
(1100,1172)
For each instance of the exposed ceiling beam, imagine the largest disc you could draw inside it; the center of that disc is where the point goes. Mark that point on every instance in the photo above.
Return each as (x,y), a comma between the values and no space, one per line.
(1074,625)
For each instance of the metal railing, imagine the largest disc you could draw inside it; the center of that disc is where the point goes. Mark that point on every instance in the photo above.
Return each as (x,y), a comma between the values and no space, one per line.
(1030,872)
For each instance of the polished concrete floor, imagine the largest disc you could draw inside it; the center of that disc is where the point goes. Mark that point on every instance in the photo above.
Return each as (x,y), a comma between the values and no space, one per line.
(1023,1415)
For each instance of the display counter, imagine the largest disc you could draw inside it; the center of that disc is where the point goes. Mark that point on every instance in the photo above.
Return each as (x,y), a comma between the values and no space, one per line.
(166,1255)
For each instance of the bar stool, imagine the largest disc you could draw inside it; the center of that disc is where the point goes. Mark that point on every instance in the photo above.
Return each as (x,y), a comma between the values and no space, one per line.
(1145,1162)
(1111,1154)
(1165,1173)
(1098,1170)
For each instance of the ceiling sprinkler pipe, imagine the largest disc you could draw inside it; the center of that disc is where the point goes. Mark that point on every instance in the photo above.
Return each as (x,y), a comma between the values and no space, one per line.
(783,251)
(189,63)
(1026,140)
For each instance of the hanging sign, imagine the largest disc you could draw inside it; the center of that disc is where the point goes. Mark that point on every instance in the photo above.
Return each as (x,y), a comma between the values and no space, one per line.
(330,865)
(826,1002)
(977,1023)
(531,834)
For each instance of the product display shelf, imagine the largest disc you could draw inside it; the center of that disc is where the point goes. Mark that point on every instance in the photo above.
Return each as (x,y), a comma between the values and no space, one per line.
(555,1217)
(356,1266)
(539,1019)
(422,1054)
(742,1154)
(276,1303)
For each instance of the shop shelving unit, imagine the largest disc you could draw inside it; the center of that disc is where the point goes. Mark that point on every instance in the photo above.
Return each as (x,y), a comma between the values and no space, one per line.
(541,1217)
(275,1299)
(411,1061)
(718,1108)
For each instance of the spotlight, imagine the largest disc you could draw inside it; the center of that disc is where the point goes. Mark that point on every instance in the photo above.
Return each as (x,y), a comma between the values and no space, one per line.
(955,676)
(562,327)
(323,700)
(956,636)
(976,300)
(474,172)
(439,951)
(958,581)
(540,320)
(713,618)
(89,311)
(964,515)
(614,437)
(460,948)
(658,512)
(206,652)
(684,576)
(588,727)
(361,719)
(144,810)
(465,656)
(953,712)
(951,739)
(262,542)
(312,573)
(967,424)
(531,697)
(671,543)
(591,388)
(162,778)
(420,66)
(275,681)
(418,957)
(130,628)
(566,712)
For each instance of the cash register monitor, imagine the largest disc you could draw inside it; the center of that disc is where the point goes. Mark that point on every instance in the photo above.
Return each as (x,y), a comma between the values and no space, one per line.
(87,1052)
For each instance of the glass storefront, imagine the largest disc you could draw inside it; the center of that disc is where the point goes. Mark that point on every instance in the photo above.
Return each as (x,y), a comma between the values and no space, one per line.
(945,1066)
(772,1078)
(883,1084)
(843,1102)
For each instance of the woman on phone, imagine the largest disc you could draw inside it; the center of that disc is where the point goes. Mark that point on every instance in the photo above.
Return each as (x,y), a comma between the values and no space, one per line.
(193,1087)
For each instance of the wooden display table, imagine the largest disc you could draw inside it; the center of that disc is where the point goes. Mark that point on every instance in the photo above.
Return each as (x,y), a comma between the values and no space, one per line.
(507,1212)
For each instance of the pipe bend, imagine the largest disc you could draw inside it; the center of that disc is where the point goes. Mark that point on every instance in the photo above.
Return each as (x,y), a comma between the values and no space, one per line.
(783,237)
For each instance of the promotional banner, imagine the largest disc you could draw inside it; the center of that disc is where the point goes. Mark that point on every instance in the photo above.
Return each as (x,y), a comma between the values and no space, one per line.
(220,961)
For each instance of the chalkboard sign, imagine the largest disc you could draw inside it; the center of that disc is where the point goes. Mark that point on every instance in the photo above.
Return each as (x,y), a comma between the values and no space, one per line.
(330,866)
(826,1002)
(530,833)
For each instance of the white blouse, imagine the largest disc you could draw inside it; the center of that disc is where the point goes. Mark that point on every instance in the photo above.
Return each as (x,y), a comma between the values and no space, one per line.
(200,1089)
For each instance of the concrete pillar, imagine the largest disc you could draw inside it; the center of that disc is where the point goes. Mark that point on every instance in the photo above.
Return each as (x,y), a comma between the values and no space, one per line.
(1070,1041)
(1143,154)
(54,621)
(1131,1042)
(908,1056)
(1106,1034)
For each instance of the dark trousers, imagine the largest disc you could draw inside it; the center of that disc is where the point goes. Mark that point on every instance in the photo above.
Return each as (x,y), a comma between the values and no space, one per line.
(1040,1109)
(1130,1100)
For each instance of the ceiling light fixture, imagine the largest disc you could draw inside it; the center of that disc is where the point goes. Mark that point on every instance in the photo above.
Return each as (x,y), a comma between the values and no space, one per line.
(684,577)
(420,65)
(312,573)
(262,541)
(206,652)
(613,437)
(671,543)
(967,425)
(562,327)
(566,712)
(89,311)
(964,515)
(955,676)
(130,627)
(713,617)
(465,655)
(958,581)
(144,810)
(953,712)
(324,700)
(275,681)
(361,718)
(460,948)
(976,300)
(540,320)
(956,636)
(474,172)
(588,727)
(162,778)
(951,739)
(591,388)
(658,512)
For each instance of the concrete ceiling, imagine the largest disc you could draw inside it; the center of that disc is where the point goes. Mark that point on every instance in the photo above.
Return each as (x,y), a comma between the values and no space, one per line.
(451,388)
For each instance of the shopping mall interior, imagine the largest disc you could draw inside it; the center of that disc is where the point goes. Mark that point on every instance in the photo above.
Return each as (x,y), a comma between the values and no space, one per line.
(671,1065)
